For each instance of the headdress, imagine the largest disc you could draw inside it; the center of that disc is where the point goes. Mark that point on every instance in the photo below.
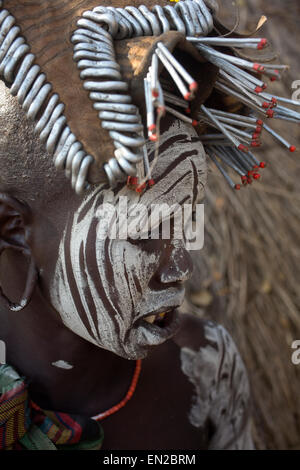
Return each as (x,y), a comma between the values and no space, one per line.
(111,66)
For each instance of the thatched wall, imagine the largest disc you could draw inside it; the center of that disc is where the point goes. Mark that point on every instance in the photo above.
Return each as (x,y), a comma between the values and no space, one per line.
(248,274)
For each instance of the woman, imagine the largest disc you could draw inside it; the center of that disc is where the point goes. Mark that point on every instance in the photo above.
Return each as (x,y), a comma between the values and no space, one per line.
(98,319)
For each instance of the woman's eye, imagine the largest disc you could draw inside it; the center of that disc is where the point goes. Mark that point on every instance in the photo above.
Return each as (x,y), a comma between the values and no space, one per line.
(133,241)
(157,233)
(138,240)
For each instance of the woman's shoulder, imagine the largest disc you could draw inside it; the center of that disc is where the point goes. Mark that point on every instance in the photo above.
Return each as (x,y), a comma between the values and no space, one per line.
(213,364)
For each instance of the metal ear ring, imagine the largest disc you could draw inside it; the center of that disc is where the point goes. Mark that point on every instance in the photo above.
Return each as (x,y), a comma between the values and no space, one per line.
(31,281)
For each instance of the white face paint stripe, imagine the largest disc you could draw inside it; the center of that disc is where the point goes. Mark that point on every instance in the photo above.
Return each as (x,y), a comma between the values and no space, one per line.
(106,325)
(76,243)
(70,316)
(75,272)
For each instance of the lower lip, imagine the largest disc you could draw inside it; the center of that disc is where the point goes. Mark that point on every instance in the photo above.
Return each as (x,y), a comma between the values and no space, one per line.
(150,334)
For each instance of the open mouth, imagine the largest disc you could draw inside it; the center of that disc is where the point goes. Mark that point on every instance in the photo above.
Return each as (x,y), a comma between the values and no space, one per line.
(162,319)
(157,327)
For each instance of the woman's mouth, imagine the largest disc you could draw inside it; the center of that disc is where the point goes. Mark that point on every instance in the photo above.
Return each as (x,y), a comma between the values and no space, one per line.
(157,327)
(160,319)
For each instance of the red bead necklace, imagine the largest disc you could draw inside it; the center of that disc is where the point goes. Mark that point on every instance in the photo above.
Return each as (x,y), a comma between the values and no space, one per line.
(127,397)
(123,402)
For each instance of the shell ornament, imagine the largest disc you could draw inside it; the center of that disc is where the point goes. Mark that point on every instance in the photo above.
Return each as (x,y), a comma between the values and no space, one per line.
(167,87)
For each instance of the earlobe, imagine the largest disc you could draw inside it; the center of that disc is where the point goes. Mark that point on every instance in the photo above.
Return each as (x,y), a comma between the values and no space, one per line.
(14,233)
(14,222)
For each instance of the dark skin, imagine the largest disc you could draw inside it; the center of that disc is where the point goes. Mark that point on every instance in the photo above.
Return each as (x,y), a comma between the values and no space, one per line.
(35,337)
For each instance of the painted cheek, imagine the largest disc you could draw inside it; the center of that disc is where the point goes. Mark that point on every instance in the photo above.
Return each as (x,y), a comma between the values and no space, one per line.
(133,269)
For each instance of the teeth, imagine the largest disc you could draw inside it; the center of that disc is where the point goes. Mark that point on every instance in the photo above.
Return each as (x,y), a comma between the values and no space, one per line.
(150,319)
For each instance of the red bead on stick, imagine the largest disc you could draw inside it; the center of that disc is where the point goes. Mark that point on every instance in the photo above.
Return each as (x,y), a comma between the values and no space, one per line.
(140,188)
(243,148)
(258,67)
(132,180)
(193,86)
(263,42)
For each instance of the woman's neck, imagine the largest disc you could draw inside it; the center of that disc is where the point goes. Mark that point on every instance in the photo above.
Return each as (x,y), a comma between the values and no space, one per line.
(57,362)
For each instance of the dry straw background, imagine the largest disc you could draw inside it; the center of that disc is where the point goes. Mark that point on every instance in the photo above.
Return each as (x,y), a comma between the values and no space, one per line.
(249,269)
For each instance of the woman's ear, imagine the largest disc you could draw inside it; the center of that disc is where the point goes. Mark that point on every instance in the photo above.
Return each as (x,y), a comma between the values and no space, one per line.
(14,223)
(15,217)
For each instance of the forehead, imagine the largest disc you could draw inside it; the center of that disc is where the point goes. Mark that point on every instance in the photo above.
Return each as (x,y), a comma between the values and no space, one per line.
(179,175)
(180,170)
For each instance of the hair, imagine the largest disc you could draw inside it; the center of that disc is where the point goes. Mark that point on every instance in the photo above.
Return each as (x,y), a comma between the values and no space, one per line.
(26,169)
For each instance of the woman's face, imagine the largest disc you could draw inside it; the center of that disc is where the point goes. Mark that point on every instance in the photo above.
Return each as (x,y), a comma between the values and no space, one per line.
(122,294)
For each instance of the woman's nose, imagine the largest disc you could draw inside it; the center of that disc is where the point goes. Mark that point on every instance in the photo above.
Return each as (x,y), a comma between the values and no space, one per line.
(176,264)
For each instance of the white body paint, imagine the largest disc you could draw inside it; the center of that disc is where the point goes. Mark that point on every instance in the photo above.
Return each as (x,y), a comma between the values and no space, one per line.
(222,393)
(62,365)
